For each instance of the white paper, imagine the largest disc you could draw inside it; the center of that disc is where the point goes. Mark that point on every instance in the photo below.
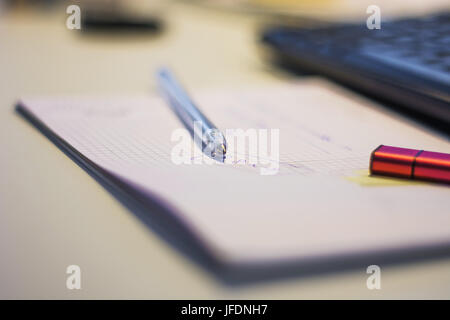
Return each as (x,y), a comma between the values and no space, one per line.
(320,202)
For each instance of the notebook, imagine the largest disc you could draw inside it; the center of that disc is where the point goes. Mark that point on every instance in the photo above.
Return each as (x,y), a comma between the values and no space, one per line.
(318,208)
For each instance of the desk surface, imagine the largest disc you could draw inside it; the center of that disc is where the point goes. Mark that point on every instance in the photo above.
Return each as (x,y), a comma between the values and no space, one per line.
(53,214)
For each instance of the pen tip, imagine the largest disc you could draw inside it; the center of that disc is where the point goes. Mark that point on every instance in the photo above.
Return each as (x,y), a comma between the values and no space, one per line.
(219,152)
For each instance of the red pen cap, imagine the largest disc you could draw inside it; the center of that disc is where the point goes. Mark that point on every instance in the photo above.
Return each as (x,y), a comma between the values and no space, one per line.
(410,163)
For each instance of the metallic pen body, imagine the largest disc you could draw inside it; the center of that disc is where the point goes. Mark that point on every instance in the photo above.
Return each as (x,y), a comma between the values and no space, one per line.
(209,138)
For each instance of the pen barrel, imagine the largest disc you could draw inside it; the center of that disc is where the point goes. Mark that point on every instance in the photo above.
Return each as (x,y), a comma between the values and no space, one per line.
(410,163)
(189,117)
(205,134)
(180,101)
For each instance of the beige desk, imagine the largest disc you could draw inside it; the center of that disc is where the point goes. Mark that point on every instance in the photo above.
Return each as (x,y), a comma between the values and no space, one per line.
(53,214)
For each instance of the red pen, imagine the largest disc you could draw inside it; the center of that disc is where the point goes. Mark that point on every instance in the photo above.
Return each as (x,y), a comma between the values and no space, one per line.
(410,163)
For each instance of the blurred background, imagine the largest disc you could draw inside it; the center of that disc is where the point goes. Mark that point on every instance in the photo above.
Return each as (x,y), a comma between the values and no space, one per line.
(120,44)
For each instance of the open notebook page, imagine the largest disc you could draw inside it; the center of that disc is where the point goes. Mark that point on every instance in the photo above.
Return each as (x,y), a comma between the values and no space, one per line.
(320,201)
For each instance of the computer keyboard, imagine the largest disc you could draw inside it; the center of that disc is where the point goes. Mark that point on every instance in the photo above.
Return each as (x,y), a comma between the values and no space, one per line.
(407,61)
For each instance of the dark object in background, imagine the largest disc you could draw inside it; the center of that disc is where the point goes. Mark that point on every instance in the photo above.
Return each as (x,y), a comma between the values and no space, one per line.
(121,16)
(108,23)
(406,62)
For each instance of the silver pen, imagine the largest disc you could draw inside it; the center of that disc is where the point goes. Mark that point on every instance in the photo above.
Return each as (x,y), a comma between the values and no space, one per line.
(209,139)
